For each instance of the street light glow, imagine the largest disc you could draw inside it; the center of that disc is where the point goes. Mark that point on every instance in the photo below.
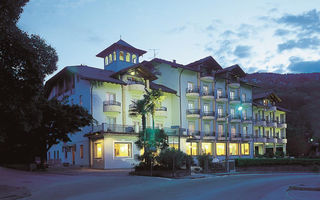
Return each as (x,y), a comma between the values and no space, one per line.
(240,108)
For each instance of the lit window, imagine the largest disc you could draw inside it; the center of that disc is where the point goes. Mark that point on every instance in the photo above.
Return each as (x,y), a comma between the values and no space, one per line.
(106,60)
(244,114)
(110,58)
(220,111)
(127,57)
(205,89)
(190,105)
(190,86)
(114,56)
(206,107)
(121,56)
(141,151)
(232,95)
(233,149)
(245,130)
(233,131)
(232,112)
(207,148)
(98,150)
(245,149)
(192,148)
(122,149)
(81,151)
(221,149)
(134,58)
(174,145)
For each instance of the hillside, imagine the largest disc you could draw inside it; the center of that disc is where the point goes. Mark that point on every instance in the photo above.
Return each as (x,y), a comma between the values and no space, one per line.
(300,93)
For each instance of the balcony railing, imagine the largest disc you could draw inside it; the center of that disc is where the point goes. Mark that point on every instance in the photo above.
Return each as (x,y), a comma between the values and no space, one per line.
(193,111)
(162,108)
(113,103)
(208,134)
(235,117)
(245,118)
(208,113)
(131,82)
(222,96)
(192,90)
(234,98)
(244,101)
(116,128)
(193,133)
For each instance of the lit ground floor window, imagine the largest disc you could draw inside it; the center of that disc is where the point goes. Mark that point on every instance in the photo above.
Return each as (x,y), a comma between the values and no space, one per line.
(192,148)
(98,150)
(174,145)
(245,149)
(221,149)
(207,148)
(122,149)
(233,149)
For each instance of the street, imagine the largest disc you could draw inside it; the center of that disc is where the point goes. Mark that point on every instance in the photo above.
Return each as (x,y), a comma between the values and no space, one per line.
(117,184)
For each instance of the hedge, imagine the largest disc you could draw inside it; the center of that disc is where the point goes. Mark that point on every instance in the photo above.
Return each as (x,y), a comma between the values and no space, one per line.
(245,162)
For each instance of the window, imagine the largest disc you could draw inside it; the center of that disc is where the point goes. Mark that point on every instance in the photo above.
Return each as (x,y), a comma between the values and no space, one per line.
(233,149)
(174,145)
(268,133)
(207,148)
(98,150)
(232,95)
(233,131)
(207,127)
(205,89)
(81,151)
(190,86)
(106,60)
(190,104)
(245,149)
(110,58)
(244,114)
(243,97)
(205,107)
(121,56)
(134,58)
(245,130)
(80,100)
(219,93)
(232,112)
(110,97)
(220,129)
(127,57)
(256,132)
(265,102)
(221,149)
(122,149)
(114,56)
(191,126)
(159,125)
(220,111)
(192,148)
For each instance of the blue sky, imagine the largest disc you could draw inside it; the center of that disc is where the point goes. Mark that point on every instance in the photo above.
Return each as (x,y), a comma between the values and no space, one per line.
(261,36)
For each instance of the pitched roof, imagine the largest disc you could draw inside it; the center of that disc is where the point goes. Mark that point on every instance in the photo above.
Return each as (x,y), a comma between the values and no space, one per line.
(207,61)
(173,64)
(120,45)
(234,69)
(156,86)
(266,94)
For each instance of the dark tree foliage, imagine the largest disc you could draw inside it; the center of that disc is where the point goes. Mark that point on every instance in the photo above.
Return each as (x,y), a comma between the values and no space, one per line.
(29,122)
(300,93)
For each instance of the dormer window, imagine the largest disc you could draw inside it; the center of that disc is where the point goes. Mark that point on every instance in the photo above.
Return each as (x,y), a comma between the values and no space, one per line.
(121,56)
(134,58)
(114,56)
(110,58)
(128,57)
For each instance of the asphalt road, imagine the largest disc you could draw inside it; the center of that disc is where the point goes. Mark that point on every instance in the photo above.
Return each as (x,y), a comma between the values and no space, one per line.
(90,184)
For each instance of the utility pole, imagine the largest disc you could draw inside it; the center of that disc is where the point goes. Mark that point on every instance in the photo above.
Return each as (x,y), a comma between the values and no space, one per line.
(154,52)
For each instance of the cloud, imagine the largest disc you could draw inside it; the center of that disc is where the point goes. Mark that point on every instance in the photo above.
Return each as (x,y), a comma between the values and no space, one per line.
(308,22)
(242,51)
(178,29)
(303,43)
(281,32)
(304,66)
(279,69)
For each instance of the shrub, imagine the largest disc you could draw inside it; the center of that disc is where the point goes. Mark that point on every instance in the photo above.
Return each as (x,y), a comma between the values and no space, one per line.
(170,157)
(203,158)
(279,154)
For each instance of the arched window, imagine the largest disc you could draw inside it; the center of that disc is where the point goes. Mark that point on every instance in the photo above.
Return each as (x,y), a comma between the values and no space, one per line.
(134,58)
(110,58)
(121,55)
(114,56)
(128,57)
(106,60)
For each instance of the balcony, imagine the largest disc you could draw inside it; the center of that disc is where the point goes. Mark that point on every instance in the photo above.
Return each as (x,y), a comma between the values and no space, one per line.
(111,106)
(161,112)
(272,108)
(247,120)
(236,137)
(222,98)
(193,113)
(221,136)
(234,100)
(192,92)
(281,125)
(194,134)
(207,77)
(235,119)
(260,139)
(272,123)
(207,95)
(272,140)
(114,128)
(208,115)
(221,118)
(234,84)
(137,86)
(260,122)
(284,141)
(246,102)
(246,138)
(209,135)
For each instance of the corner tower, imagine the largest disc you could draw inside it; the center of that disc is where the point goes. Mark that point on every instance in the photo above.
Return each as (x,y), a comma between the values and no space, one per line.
(120,55)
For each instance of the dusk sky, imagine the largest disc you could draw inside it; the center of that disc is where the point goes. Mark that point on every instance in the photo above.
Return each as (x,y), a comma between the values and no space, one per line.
(261,36)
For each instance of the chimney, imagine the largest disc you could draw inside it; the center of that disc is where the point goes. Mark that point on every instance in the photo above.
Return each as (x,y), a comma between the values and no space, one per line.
(174,61)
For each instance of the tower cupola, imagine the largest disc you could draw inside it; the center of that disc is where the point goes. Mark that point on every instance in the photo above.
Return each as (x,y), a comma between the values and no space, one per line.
(120,55)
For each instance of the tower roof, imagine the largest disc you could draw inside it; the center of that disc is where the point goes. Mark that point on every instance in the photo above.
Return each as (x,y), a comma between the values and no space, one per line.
(120,45)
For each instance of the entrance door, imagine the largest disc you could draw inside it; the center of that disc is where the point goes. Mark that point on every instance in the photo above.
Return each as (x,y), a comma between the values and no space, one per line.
(73,157)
